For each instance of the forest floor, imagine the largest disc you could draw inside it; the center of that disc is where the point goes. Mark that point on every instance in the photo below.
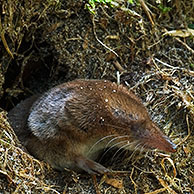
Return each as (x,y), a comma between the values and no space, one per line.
(147,45)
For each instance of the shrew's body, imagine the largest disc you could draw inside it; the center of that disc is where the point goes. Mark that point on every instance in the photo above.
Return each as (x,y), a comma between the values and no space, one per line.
(70,125)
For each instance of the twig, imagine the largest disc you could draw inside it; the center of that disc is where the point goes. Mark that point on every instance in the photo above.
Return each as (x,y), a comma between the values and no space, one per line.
(157,191)
(118,66)
(147,10)
(95,184)
(135,185)
(166,64)
(118,78)
(172,163)
(94,29)
(4,40)
(184,44)
(164,184)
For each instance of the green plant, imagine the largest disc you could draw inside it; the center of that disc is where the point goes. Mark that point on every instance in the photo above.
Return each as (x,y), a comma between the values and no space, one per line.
(164,9)
(130,1)
(91,5)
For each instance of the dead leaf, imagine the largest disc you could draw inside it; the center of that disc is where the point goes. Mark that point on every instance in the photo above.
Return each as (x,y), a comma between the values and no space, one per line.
(113,37)
(186,150)
(114,182)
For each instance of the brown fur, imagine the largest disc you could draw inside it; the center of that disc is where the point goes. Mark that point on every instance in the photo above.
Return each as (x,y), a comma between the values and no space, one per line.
(69,125)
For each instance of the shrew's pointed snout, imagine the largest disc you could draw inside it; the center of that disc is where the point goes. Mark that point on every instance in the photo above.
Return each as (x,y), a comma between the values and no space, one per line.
(172,147)
(162,143)
(155,139)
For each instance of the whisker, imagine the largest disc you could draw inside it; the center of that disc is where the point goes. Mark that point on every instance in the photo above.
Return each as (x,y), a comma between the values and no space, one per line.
(122,147)
(134,151)
(142,149)
(128,146)
(118,137)
(114,145)
(128,160)
(100,140)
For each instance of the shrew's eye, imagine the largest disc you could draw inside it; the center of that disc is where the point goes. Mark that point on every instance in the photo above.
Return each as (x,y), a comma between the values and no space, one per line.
(118,112)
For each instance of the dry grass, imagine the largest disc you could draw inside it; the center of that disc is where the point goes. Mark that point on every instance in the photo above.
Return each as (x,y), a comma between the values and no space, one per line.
(51,42)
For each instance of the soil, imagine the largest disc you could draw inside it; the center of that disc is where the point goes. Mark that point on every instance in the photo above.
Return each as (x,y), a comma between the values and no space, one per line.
(148,46)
